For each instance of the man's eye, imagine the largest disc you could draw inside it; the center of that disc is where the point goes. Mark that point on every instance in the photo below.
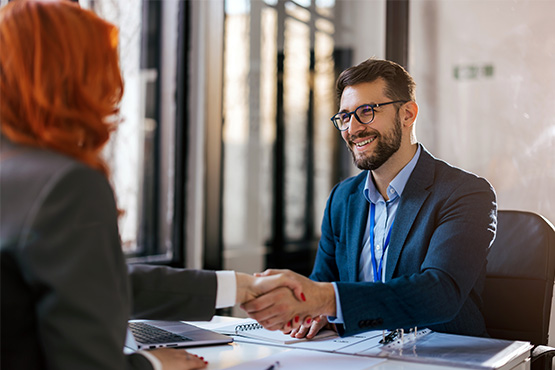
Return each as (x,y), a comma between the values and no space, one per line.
(345,117)
(365,111)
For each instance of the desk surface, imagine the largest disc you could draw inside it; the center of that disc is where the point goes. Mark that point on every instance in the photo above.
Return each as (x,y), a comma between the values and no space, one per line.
(229,355)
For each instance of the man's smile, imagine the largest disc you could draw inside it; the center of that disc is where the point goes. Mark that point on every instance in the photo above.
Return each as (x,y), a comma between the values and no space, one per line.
(363,143)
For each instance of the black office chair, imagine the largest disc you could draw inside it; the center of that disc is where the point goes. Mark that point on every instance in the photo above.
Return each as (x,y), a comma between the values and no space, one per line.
(519,282)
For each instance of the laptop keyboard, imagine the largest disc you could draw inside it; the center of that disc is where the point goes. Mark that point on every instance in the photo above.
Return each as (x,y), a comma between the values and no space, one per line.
(146,333)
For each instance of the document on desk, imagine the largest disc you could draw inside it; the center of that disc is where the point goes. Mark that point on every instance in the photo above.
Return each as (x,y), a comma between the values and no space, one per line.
(326,341)
(252,332)
(370,343)
(424,346)
(309,360)
(346,345)
(458,350)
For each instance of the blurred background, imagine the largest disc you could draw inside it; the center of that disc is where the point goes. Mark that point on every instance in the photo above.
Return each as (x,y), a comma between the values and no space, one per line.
(226,154)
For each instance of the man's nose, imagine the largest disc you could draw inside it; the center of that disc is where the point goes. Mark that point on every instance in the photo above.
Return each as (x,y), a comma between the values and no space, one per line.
(354,125)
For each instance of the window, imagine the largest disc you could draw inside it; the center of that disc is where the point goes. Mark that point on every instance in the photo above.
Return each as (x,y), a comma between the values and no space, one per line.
(146,152)
(278,142)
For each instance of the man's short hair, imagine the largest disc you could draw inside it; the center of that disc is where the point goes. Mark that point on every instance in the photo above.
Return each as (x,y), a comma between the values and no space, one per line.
(399,83)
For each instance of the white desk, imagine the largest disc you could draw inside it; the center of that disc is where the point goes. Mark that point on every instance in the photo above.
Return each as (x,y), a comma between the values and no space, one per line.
(225,356)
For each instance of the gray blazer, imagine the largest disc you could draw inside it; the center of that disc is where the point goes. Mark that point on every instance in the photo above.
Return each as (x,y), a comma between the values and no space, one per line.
(65,287)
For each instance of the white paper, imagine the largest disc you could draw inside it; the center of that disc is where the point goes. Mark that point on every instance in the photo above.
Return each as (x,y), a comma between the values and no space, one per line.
(370,346)
(226,327)
(450,349)
(310,360)
(338,344)
(264,336)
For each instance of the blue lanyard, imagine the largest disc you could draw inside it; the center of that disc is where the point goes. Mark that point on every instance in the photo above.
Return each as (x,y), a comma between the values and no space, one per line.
(377,268)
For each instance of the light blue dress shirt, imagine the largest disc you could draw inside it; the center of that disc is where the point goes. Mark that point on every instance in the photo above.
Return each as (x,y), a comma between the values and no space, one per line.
(383,220)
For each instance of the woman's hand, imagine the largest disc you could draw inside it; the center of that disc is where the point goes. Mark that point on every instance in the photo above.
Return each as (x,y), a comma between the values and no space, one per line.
(310,327)
(173,358)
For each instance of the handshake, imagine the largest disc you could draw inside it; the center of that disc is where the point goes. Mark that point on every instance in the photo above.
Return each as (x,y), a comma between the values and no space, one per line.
(286,301)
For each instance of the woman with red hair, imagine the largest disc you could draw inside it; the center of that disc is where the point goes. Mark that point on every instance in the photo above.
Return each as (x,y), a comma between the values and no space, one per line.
(65,294)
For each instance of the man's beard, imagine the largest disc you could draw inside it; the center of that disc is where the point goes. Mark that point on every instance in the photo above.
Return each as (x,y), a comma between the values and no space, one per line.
(387,145)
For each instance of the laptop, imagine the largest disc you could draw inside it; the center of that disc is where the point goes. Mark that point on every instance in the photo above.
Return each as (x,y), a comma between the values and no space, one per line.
(149,334)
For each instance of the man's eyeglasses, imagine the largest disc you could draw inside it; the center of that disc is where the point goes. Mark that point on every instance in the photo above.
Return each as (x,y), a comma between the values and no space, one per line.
(364,114)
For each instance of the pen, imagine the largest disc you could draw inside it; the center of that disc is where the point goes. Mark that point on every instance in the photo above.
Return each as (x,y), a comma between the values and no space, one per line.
(273,366)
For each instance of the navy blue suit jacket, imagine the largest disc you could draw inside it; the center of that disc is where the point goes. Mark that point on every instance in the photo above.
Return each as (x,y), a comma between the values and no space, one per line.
(436,262)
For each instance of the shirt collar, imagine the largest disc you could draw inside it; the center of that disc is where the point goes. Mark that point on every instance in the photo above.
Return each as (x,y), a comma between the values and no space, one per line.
(396,186)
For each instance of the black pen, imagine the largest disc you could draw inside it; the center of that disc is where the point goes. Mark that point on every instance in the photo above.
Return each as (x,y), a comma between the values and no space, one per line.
(273,366)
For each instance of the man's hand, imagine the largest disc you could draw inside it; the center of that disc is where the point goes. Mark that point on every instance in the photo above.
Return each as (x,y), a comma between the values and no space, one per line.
(278,308)
(250,287)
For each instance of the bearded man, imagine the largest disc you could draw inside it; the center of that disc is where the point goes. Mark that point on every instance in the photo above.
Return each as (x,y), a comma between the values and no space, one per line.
(404,243)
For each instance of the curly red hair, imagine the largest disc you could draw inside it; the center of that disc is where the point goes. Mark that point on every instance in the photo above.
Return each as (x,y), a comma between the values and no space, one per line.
(60,81)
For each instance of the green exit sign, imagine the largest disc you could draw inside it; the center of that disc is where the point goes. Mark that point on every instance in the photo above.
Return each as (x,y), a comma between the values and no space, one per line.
(473,71)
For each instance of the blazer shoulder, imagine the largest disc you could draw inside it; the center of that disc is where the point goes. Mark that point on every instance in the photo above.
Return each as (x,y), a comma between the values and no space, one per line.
(446,175)
(21,163)
(351,184)
(33,178)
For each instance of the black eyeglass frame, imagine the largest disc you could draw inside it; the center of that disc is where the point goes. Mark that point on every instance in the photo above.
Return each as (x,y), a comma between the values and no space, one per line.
(337,116)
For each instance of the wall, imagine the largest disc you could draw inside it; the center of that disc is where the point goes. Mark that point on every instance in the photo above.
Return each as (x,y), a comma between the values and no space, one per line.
(360,25)
(485,77)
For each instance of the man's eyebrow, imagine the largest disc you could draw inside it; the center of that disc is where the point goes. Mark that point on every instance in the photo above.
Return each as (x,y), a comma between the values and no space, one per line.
(358,106)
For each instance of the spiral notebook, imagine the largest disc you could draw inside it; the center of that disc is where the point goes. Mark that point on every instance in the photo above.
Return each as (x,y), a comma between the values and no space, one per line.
(253,330)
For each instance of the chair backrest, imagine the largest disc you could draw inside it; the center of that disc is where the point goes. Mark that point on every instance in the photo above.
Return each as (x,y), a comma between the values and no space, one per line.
(519,280)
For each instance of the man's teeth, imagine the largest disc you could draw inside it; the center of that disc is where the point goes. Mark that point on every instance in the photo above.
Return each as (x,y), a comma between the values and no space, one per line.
(363,143)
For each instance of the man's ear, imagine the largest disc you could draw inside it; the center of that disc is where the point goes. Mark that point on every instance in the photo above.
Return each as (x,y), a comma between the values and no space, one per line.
(408,113)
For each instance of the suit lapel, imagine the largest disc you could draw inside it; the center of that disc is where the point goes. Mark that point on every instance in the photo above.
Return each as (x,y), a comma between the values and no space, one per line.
(414,195)
(357,215)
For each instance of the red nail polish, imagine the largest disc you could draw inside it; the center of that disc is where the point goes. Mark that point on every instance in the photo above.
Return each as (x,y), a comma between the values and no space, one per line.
(308,321)
(296,318)
(303,297)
